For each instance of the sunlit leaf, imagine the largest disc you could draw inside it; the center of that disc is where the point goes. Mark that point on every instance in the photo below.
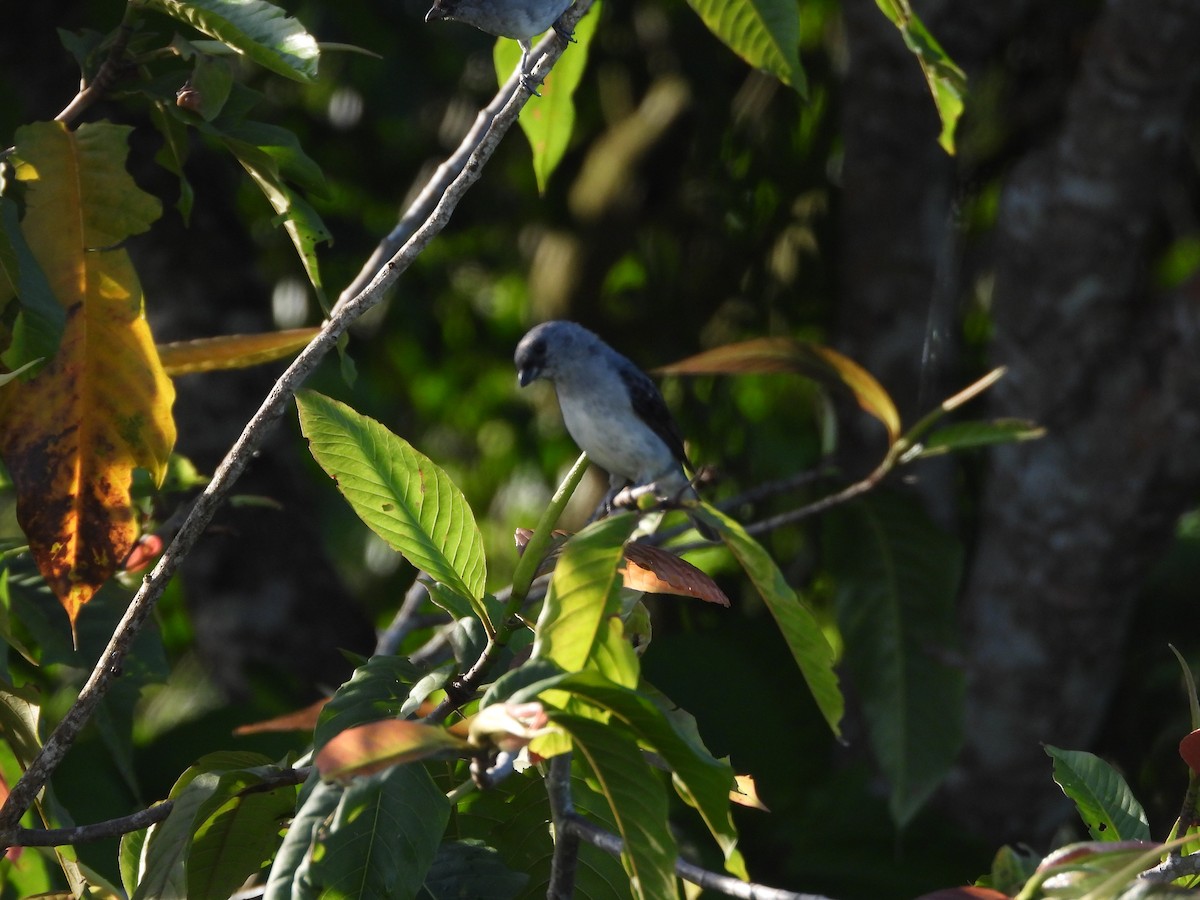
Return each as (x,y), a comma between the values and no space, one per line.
(383,838)
(946,80)
(765,33)
(583,593)
(1102,797)
(800,629)
(72,435)
(780,355)
(896,576)
(653,570)
(549,120)
(399,493)
(745,793)
(260,30)
(300,720)
(370,748)
(703,781)
(637,800)
(232,351)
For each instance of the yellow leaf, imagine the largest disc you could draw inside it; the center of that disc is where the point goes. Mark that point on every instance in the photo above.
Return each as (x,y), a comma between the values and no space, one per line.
(72,435)
(232,351)
(772,355)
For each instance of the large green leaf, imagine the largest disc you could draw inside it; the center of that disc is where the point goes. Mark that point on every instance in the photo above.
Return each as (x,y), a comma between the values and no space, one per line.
(260,30)
(583,594)
(383,838)
(400,494)
(162,874)
(287,880)
(765,33)
(1103,798)
(637,799)
(703,781)
(800,629)
(377,690)
(549,120)
(947,83)
(896,577)
(471,869)
(512,818)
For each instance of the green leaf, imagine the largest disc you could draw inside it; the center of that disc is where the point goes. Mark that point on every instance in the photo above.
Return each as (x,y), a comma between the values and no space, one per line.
(163,873)
(287,880)
(549,120)
(799,627)
(583,595)
(965,435)
(946,80)
(40,321)
(702,781)
(237,832)
(259,30)
(636,798)
(399,493)
(1104,800)
(896,577)
(765,33)
(174,153)
(383,838)
(377,690)
(512,818)
(471,869)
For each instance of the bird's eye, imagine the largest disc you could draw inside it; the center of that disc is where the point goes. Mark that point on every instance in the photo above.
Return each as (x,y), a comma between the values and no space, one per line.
(539,348)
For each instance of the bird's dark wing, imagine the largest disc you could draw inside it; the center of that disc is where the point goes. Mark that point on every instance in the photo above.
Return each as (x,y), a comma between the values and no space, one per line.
(650,407)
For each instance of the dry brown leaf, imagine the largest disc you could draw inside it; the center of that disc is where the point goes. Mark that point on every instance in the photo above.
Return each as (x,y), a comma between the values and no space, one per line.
(653,570)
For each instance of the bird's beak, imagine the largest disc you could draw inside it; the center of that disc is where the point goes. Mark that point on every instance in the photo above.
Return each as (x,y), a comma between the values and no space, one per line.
(527,375)
(435,12)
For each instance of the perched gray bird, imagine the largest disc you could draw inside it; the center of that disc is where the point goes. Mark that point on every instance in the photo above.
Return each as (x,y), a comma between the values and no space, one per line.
(522,20)
(612,409)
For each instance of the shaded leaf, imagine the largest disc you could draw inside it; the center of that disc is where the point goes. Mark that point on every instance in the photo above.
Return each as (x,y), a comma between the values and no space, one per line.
(783,355)
(965,435)
(72,435)
(300,720)
(39,325)
(377,690)
(471,869)
(399,493)
(966,892)
(1189,684)
(765,33)
(1102,797)
(583,594)
(636,798)
(292,862)
(896,576)
(653,570)
(946,80)
(800,629)
(232,351)
(260,30)
(383,838)
(370,748)
(549,120)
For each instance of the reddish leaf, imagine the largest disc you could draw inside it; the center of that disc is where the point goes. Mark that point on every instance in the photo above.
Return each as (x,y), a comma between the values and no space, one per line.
(299,720)
(370,748)
(653,570)
(144,552)
(1189,749)
(966,892)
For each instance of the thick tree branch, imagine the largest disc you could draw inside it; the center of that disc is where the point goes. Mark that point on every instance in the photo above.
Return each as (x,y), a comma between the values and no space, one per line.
(565,861)
(482,145)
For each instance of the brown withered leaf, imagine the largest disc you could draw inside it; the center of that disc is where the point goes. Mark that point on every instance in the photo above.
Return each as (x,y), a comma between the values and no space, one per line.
(376,746)
(297,720)
(652,570)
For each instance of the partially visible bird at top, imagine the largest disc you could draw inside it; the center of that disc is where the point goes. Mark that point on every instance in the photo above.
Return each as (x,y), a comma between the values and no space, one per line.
(612,410)
(522,20)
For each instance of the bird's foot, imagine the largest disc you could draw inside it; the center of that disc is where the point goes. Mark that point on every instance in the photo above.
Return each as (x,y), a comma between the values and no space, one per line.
(564,32)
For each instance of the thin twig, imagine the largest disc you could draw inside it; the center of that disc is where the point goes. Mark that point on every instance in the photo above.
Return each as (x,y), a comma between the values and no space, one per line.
(565,861)
(272,409)
(1174,867)
(106,74)
(97,831)
(713,881)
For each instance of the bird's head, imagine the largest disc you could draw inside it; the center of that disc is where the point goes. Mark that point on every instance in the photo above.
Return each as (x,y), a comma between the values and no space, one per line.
(548,350)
